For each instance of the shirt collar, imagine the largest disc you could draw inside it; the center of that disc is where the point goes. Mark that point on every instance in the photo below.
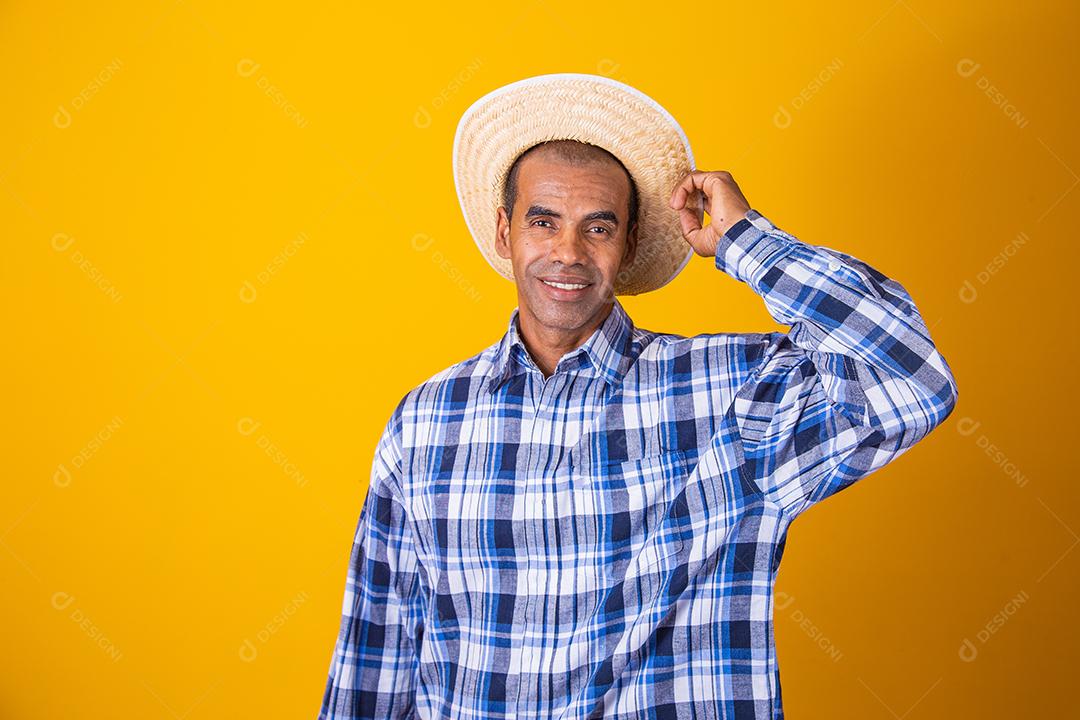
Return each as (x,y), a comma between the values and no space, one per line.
(607,351)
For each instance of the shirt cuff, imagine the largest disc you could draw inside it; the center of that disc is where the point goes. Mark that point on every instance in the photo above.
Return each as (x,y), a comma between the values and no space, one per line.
(750,247)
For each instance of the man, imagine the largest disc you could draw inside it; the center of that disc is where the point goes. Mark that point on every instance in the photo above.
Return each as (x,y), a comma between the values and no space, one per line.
(586,519)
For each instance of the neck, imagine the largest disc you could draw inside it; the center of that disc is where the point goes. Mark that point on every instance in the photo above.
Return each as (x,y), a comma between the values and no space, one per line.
(547,344)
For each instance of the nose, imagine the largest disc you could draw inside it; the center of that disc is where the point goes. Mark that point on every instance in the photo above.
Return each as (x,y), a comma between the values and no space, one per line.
(567,247)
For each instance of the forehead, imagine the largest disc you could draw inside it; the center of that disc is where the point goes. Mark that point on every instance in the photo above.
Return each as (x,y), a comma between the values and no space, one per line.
(544,174)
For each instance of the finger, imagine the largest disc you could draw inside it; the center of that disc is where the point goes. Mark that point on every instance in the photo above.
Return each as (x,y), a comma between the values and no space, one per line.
(715,189)
(682,190)
(690,219)
(693,181)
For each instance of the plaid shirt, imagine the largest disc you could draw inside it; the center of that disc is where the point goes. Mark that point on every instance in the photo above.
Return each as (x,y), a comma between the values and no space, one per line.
(604,542)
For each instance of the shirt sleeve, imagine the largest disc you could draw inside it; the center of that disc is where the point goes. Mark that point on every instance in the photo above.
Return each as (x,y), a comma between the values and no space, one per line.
(854,383)
(375,664)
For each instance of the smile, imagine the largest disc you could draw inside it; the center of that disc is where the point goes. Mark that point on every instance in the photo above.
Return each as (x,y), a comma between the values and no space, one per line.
(565,286)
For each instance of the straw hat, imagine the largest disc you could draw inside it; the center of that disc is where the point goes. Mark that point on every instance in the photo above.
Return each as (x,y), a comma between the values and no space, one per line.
(593,109)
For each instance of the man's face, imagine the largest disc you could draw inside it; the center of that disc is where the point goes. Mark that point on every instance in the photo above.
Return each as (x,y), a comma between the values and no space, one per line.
(569,226)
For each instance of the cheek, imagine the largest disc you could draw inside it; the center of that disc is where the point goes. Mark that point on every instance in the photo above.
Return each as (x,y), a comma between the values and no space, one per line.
(608,259)
(528,253)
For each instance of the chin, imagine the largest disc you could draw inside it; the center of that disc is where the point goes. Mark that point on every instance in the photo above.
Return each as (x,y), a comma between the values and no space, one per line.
(565,315)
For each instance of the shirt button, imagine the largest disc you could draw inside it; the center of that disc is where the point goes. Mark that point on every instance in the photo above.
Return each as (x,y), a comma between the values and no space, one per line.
(834,265)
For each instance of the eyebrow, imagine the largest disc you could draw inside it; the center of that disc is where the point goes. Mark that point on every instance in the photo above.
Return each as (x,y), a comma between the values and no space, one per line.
(535,210)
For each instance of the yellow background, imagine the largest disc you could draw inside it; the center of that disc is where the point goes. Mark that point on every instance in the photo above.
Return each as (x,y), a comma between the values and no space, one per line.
(232,243)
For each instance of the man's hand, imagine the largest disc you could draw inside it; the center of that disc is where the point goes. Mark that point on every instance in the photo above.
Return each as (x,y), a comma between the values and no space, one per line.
(723,201)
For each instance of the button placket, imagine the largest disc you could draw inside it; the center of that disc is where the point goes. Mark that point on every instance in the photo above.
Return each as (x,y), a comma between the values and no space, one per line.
(535,488)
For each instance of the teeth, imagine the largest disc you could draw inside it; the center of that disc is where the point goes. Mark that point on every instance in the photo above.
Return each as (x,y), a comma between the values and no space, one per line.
(564,286)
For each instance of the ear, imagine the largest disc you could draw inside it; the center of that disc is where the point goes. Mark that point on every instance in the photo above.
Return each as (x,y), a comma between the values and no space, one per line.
(502,233)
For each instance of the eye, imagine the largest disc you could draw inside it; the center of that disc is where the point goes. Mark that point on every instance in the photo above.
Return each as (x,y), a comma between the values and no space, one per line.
(537,221)
(604,229)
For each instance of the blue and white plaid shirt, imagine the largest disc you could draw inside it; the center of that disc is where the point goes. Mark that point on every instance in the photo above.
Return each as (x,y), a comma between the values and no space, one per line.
(604,542)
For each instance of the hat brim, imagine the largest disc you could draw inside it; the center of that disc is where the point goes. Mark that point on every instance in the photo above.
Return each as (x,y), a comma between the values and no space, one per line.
(594,109)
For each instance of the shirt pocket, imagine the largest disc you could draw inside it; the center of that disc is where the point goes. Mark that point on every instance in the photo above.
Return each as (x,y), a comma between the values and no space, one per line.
(627,514)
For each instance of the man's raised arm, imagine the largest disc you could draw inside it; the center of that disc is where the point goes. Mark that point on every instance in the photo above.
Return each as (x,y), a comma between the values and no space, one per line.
(856,380)
(854,383)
